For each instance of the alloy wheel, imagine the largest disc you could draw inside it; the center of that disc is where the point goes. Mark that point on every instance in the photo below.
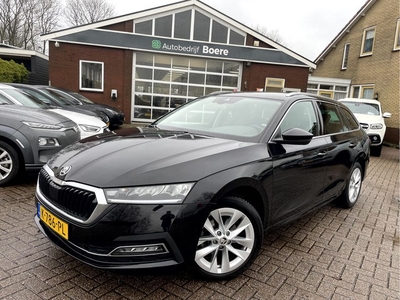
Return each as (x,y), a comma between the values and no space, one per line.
(355,185)
(6,164)
(226,241)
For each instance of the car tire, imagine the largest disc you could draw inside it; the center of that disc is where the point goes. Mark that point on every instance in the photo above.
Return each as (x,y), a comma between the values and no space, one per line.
(352,191)
(9,163)
(230,239)
(376,150)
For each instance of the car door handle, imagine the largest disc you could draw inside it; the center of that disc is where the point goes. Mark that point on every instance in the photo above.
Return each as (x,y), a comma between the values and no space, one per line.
(322,153)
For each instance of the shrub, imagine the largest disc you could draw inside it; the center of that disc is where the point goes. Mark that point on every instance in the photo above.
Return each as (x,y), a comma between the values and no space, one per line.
(10,71)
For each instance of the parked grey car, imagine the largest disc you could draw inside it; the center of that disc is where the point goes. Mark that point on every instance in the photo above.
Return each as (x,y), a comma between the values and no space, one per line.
(29,137)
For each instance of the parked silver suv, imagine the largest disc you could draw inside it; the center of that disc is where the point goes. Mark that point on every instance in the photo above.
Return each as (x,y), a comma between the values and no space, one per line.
(29,137)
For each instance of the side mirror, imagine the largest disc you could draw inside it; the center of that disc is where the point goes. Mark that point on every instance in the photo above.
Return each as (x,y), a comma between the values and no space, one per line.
(295,136)
(386,115)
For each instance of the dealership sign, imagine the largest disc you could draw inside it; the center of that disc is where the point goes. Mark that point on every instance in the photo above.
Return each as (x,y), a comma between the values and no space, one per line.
(157,44)
(138,42)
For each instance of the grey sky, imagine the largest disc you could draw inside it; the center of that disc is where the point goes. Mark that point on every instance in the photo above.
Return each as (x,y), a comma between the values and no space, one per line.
(306,26)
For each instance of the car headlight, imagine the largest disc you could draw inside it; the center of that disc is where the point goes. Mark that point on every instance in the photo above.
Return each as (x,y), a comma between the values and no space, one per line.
(376,126)
(42,125)
(48,142)
(156,194)
(89,128)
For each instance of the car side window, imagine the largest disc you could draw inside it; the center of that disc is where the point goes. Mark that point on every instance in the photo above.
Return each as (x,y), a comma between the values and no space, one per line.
(350,122)
(300,115)
(331,119)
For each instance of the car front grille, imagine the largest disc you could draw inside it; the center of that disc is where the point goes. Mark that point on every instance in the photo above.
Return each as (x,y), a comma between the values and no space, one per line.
(364,126)
(72,200)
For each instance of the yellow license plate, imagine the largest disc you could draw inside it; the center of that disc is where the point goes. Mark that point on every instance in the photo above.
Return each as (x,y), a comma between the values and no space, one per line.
(53,222)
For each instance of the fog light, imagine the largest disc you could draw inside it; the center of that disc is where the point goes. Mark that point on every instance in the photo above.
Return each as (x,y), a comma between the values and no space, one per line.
(375,138)
(140,250)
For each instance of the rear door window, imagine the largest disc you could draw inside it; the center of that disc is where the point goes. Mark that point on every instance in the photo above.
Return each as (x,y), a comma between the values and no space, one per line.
(332,122)
(349,121)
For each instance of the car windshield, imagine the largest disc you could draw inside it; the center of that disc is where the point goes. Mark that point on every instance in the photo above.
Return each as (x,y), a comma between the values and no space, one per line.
(25,99)
(363,108)
(236,116)
(4,100)
(81,98)
(45,98)
(61,97)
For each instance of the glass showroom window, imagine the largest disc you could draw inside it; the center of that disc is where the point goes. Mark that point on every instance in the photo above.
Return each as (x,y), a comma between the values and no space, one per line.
(190,25)
(163,83)
(91,75)
(368,41)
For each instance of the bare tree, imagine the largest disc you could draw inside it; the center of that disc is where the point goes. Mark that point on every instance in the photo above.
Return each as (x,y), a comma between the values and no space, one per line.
(80,12)
(271,34)
(11,18)
(22,21)
(48,19)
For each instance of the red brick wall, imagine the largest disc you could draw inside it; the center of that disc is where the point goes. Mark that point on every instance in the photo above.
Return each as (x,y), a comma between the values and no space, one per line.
(255,74)
(64,72)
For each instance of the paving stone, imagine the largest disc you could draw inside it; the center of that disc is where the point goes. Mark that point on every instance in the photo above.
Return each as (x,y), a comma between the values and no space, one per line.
(331,253)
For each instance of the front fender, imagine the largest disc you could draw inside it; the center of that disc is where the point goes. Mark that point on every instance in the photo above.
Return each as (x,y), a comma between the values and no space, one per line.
(19,141)
(245,181)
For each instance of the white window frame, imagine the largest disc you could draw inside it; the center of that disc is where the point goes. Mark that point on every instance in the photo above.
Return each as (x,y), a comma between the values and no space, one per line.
(364,39)
(83,88)
(345,59)
(362,89)
(205,13)
(274,83)
(396,45)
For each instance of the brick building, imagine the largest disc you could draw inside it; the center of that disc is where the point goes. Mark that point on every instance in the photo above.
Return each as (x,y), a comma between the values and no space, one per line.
(149,62)
(363,61)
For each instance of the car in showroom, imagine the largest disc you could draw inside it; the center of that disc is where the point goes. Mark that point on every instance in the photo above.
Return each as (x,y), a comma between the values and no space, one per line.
(201,185)
(369,113)
(60,101)
(115,116)
(88,125)
(29,137)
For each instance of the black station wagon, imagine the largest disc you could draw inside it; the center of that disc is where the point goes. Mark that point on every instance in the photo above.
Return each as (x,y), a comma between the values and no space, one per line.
(203,183)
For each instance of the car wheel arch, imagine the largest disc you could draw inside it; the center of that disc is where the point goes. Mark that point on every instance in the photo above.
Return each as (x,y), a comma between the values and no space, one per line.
(250,190)
(362,160)
(20,144)
(17,149)
(13,163)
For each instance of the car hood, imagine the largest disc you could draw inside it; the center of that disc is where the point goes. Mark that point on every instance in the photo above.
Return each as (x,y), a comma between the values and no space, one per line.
(79,118)
(369,119)
(146,156)
(29,114)
(103,107)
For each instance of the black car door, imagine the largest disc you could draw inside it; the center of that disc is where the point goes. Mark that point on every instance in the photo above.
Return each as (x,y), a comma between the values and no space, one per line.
(344,141)
(298,170)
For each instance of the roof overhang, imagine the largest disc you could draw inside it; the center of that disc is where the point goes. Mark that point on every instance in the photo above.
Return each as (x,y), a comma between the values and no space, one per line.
(360,14)
(13,52)
(60,35)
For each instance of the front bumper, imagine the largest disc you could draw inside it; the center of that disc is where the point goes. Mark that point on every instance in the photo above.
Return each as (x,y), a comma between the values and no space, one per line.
(115,236)
(102,259)
(375,139)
